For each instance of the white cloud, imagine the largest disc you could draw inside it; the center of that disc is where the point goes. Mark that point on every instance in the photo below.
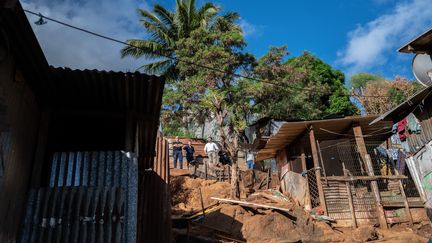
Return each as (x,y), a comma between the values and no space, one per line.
(64,46)
(371,44)
(248,28)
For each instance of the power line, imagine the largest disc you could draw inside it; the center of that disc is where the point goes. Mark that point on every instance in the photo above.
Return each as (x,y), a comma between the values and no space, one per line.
(185,61)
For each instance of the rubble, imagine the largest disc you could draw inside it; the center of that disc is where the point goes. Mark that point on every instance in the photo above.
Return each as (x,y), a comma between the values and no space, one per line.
(248,219)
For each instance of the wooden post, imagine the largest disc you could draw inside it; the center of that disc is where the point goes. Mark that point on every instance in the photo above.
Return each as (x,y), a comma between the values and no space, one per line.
(308,204)
(322,162)
(268,177)
(369,169)
(315,158)
(205,169)
(350,199)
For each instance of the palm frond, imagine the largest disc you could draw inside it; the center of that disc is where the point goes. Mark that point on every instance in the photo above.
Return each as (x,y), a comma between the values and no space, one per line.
(206,14)
(165,16)
(149,16)
(163,67)
(231,16)
(157,67)
(145,48)
(162,35)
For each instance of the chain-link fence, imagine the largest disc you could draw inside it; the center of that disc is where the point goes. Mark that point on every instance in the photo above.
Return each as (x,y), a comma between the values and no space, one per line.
(345,154)
(313,188)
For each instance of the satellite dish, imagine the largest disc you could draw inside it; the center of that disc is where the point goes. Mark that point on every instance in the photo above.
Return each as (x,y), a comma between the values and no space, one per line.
(422,69)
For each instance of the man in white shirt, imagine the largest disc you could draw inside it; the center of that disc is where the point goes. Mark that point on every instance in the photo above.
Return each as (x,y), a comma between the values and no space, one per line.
(211,150)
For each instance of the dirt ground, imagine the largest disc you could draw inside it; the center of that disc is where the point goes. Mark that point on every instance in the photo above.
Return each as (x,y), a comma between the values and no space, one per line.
(234,223)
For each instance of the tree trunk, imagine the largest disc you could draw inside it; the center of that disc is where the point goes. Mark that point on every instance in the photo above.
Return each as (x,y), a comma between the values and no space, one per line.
(235,189)
(231,145)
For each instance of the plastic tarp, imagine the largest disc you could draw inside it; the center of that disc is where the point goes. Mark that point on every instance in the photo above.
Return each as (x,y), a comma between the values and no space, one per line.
(296,186)
(420,166)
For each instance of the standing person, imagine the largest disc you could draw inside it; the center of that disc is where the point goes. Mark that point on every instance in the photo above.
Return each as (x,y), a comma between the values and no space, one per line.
(178,152)
(211,150)
(190,150)
(250,157)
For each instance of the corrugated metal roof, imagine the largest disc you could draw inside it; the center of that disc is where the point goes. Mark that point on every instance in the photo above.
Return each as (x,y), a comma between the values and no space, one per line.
(421,44)
(324,130)
(104,90)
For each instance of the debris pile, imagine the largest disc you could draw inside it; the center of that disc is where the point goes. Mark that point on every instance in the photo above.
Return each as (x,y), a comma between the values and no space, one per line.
(264,216)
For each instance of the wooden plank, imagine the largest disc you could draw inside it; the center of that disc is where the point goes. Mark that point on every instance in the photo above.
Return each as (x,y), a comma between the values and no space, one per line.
(308,203)
(317,172)
(249,204)
(369,169)
(380,210)
(361,146)
(365,178)
(350,200)
(322,161)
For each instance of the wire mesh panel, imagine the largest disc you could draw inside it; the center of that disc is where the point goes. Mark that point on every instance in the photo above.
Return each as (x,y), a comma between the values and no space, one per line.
(313,188)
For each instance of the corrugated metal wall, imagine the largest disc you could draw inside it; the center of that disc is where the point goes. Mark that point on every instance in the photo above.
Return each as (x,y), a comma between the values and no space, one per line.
(105,180)
(417,141)
(154,209)
(18,134)
(75,214)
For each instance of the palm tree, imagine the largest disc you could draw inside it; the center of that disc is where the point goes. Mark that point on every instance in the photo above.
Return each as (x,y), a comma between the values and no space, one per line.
(166,28)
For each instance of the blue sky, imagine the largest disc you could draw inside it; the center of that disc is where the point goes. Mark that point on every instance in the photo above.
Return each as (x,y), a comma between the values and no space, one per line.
(351,35)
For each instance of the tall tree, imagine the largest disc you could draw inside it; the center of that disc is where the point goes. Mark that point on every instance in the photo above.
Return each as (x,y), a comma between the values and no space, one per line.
(165,28)
(359,80)
(380,95)
(217,92)
(303,87)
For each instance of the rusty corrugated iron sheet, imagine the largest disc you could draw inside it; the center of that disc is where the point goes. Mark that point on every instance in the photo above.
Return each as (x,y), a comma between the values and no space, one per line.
(105,90)
(154,207)
(74,173)
(75,214)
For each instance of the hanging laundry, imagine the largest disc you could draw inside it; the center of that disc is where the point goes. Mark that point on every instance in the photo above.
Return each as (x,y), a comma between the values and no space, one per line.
(396,142)
(405,146)
(413,124)
(394,128)
(401,128)
(393,153)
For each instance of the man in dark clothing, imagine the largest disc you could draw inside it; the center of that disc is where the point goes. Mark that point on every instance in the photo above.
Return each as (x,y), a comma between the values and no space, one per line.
(177,152)
(190,150)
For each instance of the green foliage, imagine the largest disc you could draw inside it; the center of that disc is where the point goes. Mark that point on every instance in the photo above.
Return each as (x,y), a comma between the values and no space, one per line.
(305,87)
(165,29)
(359,80)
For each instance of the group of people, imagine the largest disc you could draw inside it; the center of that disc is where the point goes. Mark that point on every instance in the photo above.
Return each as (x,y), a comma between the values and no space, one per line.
(211,149)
